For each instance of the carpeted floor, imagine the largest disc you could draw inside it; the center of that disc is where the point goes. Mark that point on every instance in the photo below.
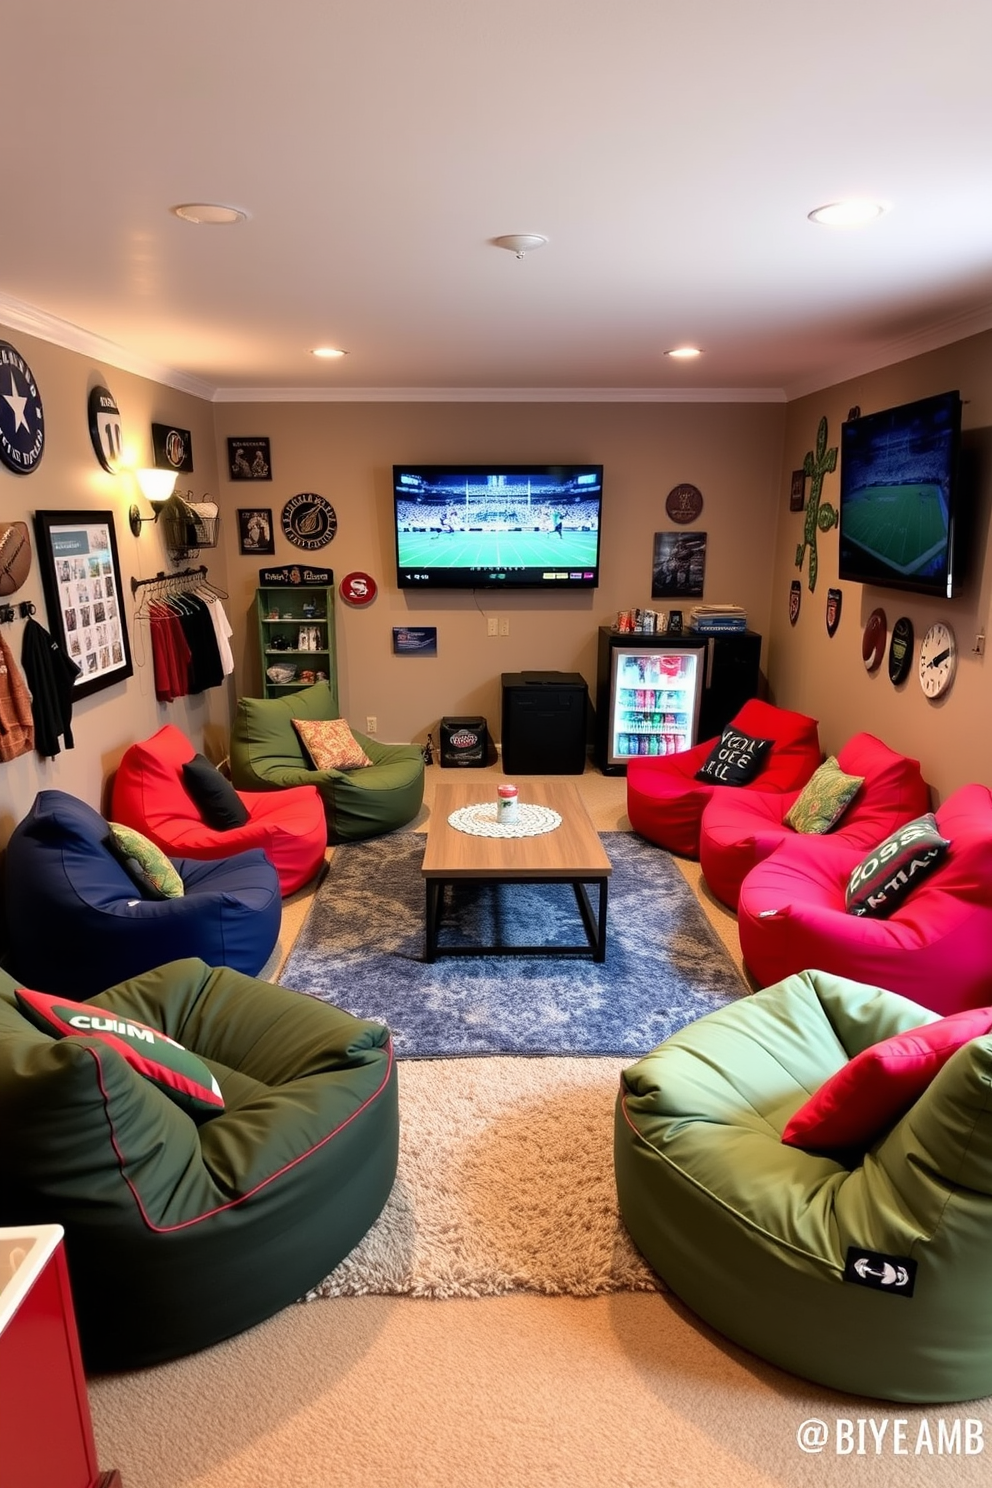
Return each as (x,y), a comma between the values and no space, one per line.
(664,966)
(515,1391)
(505,1183)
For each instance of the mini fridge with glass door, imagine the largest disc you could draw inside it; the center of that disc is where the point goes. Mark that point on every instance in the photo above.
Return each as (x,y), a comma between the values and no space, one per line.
(649,691)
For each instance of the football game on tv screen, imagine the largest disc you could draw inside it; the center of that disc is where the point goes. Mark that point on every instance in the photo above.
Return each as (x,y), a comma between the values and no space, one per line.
(497,527)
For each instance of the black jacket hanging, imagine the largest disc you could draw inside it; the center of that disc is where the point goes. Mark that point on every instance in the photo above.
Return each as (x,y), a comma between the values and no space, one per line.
(51,676)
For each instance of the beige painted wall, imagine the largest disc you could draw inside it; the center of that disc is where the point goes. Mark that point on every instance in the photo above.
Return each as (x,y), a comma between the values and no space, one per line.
(345,452)
(827,677)
(69,477)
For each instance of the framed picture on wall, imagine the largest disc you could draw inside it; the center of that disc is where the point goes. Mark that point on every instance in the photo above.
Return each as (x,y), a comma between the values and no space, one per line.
(797,491)
(81,576)
(679,565)
(249,459)
(255,531)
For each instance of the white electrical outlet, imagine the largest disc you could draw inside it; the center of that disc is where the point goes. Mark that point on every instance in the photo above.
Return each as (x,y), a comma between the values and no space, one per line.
(504,626)
(371,723)
(492,626)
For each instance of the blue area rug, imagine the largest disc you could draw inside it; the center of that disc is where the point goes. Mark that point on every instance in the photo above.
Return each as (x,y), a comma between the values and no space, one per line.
(362,947)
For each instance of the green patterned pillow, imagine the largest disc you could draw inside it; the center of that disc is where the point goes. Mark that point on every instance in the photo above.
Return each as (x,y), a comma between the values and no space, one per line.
(823,799)
(145,863)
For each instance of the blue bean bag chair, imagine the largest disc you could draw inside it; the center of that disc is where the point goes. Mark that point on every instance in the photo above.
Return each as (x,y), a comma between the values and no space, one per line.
(78,922)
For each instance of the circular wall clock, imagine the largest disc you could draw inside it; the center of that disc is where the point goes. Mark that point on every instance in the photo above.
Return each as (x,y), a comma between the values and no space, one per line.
(873,641)
(938,659)
(901,650)
(308,520)
(684,503)
(105,428)
(22,418)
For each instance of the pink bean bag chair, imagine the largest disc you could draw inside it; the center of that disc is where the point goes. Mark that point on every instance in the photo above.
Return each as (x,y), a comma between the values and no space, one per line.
(934,948)
(149,795)
(741,828)
(665,801)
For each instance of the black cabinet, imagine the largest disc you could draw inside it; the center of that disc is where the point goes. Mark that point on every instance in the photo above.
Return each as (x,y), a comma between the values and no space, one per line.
(544,723)
(731,675)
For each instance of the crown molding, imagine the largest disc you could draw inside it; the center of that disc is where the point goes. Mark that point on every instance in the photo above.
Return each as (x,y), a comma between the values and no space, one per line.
(33,322)
(901,349)
(498,395)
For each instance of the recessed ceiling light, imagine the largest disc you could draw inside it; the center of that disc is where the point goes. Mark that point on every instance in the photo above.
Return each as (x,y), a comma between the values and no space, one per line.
(684,351)
(854,212)
(210,214)
(328,351)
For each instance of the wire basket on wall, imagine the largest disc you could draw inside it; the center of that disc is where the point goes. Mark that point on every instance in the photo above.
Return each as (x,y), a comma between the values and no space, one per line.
(189,526)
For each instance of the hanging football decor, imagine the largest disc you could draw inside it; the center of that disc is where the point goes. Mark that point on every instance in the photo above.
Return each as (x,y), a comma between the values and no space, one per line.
(795,600)
(834,599)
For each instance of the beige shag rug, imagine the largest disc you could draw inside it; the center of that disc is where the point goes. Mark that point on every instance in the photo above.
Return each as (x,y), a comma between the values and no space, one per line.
(505,1183)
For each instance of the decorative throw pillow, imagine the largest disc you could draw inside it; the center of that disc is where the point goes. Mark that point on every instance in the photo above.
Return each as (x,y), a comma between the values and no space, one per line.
(146,864)
(735,759)
(823,799)
(890,871)
(215,798)
(331,744)
(879,1085)
(181,1075)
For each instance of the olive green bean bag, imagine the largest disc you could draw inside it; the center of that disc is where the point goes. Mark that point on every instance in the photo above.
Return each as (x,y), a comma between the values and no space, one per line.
(869,1271)
(183,1229)
(266,754)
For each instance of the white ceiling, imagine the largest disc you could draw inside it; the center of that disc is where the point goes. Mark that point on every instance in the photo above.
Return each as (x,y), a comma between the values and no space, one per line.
(669,152)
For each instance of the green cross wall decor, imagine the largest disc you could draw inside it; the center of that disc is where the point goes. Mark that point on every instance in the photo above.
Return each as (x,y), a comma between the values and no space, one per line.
(815,466)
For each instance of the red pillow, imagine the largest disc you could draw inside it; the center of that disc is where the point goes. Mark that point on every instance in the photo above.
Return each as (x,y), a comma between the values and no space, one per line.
(879,1085)
(176,1071)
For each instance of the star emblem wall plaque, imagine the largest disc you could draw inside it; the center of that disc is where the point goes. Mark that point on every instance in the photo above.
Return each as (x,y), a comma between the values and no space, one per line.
(22,417)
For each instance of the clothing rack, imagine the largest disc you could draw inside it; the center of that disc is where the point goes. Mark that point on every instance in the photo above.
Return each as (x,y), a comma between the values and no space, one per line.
(164,578)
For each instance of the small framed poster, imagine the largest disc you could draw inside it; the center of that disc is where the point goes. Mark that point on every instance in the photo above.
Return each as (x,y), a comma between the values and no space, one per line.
(255,531)
(679,565)
(415,640)
(797,491)
(81,575)
(249,459)
(173,448)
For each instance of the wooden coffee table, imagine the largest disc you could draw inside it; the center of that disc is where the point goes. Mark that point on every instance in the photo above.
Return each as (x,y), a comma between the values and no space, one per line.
(570,853)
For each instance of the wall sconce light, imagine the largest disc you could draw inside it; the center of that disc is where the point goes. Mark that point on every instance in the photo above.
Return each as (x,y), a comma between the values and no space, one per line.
(156,487)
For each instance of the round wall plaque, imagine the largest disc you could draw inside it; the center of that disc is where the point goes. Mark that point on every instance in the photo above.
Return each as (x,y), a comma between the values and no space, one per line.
(22,418)
(105,428)
(308,520)
(901,650)
(873,641)
(684,503)
(358,588)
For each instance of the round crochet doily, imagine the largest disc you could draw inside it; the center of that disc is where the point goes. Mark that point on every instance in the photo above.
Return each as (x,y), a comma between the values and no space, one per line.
(480,821)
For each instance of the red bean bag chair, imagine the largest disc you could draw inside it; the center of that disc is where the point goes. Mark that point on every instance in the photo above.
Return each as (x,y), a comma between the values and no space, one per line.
(150,795)
(665,801)
(935,947)
(741,828)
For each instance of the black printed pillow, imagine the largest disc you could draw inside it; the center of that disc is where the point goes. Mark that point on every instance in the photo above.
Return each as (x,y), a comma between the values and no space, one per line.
(213,795)
(735,759)
(892,870)
(180,1074)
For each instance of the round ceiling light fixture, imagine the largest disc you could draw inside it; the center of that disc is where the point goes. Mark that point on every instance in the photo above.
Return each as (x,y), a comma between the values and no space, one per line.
(520,243)
(208,214)
(327,352)
(684,353)
(856,211)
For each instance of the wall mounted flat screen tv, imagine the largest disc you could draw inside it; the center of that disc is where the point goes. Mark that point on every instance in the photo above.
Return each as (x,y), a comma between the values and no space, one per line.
(497,526)
(900,496)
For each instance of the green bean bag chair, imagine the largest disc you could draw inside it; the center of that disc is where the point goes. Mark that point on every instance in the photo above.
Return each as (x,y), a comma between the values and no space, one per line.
(186,1222)
(868,1268)
(267,754)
